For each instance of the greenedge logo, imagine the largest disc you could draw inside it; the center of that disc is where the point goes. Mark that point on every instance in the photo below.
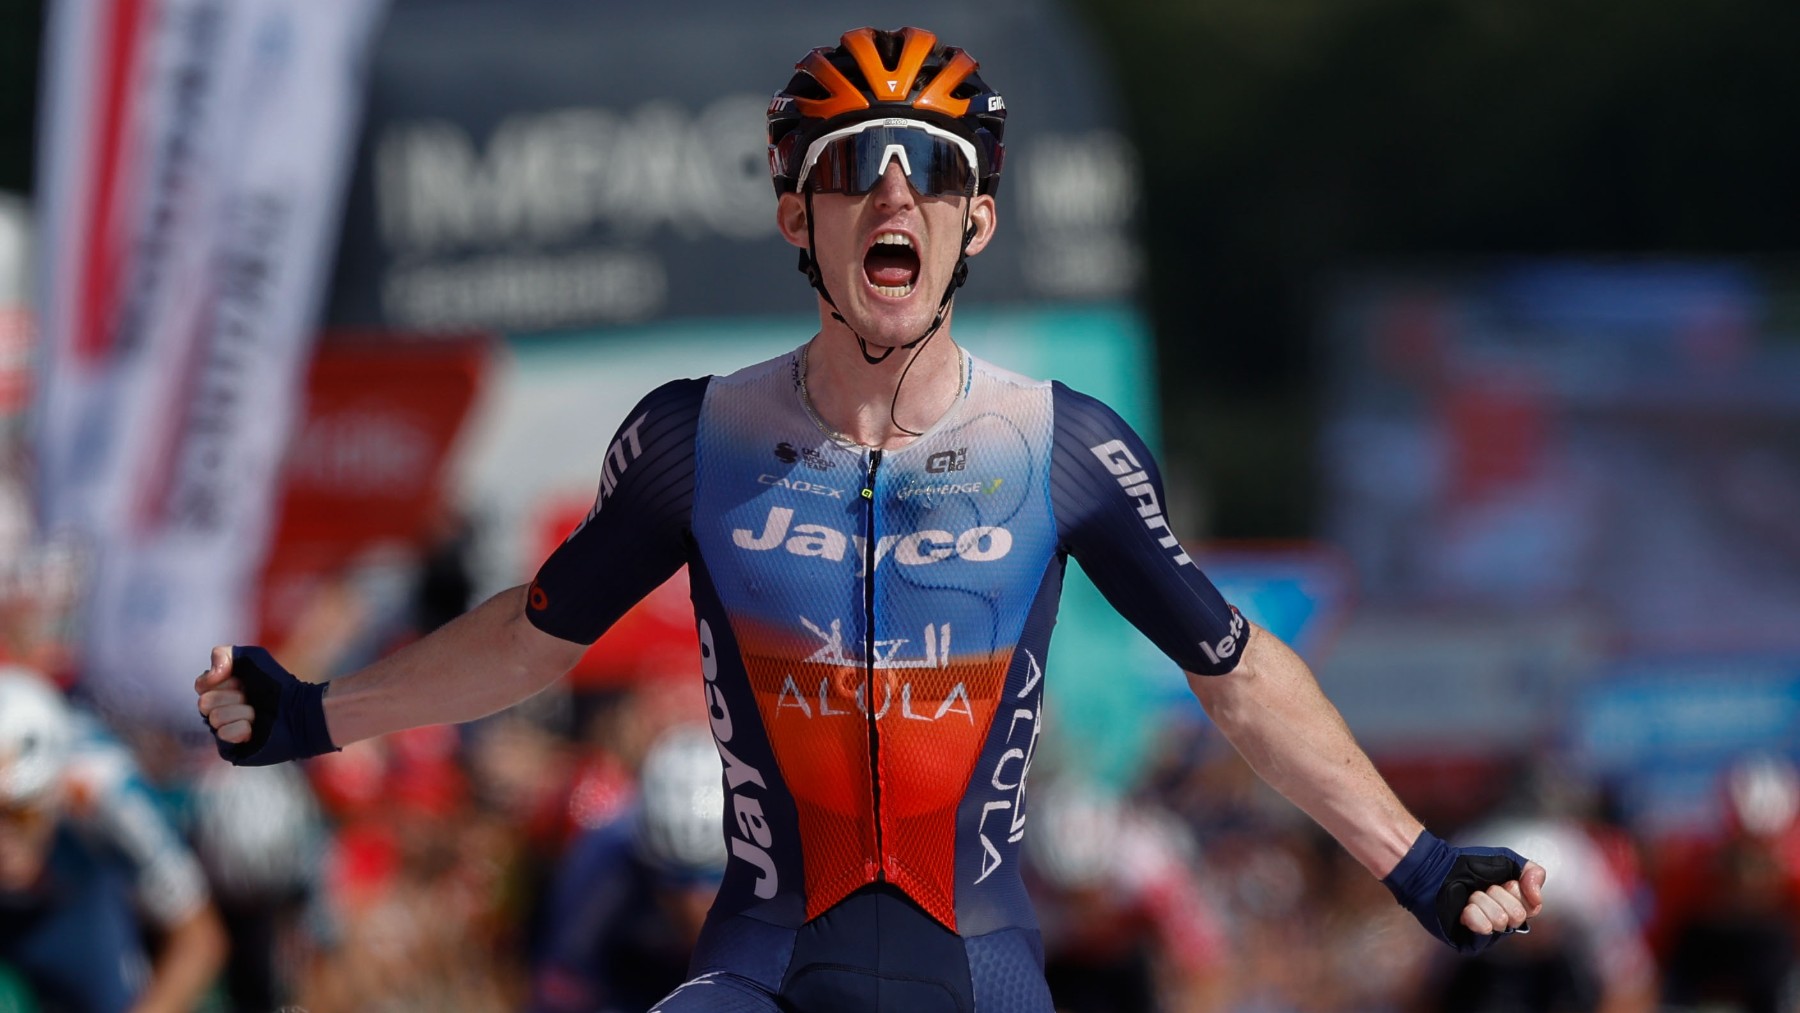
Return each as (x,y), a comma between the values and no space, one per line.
(987,488)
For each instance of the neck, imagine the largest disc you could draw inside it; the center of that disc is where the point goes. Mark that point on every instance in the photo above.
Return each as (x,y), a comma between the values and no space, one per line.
(858,399)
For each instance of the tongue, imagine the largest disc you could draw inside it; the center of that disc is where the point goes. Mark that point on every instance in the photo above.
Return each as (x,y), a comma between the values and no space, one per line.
(891,266)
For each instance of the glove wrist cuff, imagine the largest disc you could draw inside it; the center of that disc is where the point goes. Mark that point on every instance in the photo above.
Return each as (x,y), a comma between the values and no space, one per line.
(1415,881)
(311,736)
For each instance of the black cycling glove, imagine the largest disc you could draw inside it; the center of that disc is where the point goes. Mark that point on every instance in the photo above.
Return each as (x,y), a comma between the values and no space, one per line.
(289,723)
(1434,882)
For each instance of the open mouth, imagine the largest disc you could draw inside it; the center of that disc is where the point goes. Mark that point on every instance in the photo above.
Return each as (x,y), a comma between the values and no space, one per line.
(892,265)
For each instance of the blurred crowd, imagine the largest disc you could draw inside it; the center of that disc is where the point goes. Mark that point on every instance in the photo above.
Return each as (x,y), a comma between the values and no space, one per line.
(561,856)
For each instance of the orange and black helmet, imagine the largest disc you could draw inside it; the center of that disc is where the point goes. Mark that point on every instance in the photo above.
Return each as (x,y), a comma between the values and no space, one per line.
(873,74)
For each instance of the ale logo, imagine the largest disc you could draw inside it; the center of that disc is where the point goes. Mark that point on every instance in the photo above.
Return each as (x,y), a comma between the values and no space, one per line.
(947,461)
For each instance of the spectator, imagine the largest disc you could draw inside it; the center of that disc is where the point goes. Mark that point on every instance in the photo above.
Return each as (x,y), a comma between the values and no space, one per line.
(88,865)
(1127,927)
(631,895)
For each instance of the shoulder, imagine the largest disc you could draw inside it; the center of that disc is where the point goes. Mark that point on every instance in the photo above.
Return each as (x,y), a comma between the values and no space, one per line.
(676,395)
(1074,403)
(747,397)
(1085,421)
(984,370)
(782,369)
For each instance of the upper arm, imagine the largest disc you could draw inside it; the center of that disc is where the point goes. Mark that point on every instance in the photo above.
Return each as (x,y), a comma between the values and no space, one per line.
(168,884)
(1108,498)
(637,533)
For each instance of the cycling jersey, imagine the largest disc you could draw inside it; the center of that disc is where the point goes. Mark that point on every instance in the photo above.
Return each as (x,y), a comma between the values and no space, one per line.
(72,935)
(111,805)
(612,940)
(873,631)
(116,866)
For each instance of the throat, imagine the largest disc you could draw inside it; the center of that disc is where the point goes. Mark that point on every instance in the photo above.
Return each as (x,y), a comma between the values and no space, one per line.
(875,406)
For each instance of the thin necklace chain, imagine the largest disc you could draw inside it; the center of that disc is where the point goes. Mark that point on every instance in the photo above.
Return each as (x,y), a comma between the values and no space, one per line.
(806,401)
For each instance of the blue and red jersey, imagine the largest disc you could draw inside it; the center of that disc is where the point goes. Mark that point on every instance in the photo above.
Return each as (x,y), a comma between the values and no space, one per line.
(874,628)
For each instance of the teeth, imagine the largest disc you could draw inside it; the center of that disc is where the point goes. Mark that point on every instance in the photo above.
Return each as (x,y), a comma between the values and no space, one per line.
(894,291)
(893,239)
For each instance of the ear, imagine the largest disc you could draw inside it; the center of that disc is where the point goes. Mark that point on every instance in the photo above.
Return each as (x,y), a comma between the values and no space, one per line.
(790,217)
(984,219)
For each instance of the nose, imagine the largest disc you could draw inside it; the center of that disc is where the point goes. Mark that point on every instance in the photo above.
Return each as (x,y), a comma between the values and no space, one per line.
(894,191)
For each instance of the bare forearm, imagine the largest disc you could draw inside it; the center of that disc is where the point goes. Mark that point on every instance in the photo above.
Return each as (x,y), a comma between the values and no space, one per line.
(1273,712)
(190,958)
(484,661)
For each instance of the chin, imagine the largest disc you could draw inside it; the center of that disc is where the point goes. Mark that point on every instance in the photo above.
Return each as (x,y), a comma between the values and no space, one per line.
(893,322)
(888,330)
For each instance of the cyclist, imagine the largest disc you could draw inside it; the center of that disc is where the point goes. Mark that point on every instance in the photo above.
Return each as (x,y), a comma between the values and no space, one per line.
(1127,927)
(631,895)
(88,864)
(875,527)
(260,838)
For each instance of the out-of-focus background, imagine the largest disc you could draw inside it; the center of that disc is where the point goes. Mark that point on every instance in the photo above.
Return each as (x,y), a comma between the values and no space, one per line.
(1469,332)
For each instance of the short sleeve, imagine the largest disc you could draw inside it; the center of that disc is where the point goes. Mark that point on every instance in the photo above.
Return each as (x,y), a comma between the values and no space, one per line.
(1108,499)
(638,532)
(121,814)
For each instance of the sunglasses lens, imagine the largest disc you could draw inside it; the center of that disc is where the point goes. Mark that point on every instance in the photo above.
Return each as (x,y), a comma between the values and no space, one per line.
(854,164)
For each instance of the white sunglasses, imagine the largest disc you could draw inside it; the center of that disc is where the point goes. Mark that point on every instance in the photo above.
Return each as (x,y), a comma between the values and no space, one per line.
(852,159)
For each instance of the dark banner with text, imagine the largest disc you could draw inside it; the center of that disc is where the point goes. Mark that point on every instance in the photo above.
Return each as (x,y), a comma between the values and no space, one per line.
(601,164)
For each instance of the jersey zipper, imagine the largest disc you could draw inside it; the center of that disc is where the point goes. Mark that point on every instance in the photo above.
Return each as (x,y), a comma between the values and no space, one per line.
(869,560)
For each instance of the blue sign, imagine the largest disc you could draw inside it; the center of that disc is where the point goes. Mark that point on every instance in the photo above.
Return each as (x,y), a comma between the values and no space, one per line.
(1665,730)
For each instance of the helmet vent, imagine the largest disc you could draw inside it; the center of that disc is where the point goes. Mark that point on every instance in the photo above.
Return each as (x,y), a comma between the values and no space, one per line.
(804,85)
(888,44)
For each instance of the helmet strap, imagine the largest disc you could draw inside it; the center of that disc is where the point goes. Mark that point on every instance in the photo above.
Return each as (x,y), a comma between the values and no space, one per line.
(809,266)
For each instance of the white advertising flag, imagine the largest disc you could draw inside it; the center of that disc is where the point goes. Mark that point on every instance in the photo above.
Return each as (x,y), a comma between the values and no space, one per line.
(194,156)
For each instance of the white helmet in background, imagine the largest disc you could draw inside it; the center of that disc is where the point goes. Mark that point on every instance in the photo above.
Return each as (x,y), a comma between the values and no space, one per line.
(1075,833)
(256,829)
(36,733)
(681,826)
(1764,792)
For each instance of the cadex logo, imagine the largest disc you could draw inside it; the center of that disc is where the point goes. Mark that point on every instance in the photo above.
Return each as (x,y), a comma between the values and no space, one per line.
(800,485)
(920,548)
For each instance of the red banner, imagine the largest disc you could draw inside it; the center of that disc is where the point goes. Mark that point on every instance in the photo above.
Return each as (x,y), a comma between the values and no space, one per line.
(368,466)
